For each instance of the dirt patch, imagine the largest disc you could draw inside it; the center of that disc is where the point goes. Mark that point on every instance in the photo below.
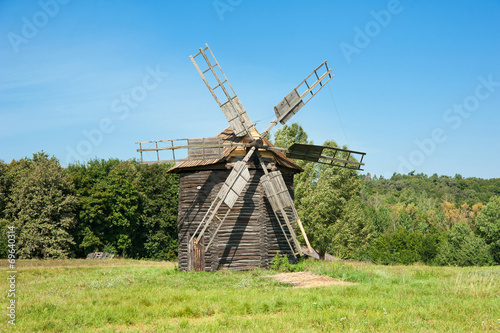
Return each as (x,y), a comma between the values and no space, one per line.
(308,280)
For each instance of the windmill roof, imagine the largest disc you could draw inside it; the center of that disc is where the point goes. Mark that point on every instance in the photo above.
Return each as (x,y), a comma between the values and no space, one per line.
(227,135)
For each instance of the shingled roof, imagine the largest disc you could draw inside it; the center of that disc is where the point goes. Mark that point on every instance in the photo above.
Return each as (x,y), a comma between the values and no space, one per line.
(227,135)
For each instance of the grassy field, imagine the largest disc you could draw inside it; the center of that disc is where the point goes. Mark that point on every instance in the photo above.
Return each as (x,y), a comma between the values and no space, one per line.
(146,296)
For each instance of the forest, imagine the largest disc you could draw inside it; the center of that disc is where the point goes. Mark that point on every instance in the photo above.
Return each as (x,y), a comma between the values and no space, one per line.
(129,209)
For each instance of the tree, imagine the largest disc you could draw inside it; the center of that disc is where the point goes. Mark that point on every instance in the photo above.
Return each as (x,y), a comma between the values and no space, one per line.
(328,201)
(352,232)
(488,224)
(461,247)
(110,207)
(287,135)
(3,187)
(3,202)
(159,215)
(126,208)
(381,218)
(41,205)
(332,214)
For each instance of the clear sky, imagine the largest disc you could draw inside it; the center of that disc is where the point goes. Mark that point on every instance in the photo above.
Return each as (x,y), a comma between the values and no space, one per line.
(416,86)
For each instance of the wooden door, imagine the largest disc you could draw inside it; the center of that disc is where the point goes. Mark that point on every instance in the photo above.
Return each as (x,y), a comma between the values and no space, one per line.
(198,256)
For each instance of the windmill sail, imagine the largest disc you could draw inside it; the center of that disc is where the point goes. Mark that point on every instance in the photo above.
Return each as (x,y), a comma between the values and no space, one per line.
(226,98)
(197,149)
(336,156)
(301,95)
(280,199)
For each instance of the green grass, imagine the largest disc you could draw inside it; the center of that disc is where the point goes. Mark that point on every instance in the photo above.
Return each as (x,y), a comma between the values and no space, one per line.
(147,296)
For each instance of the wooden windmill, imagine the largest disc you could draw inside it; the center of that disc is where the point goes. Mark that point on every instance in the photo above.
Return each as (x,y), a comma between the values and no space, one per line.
(236,208)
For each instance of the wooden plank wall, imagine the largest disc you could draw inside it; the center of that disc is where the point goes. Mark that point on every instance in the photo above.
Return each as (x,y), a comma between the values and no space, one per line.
(250,236)
(239,245)
(193,203)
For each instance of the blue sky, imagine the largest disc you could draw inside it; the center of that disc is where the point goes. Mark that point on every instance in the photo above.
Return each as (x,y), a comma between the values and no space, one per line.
(416,87)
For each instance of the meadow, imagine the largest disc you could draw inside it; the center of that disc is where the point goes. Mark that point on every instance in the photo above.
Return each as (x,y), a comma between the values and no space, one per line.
(121,295)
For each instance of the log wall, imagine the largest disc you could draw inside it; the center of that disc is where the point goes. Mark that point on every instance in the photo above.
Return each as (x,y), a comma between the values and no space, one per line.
(250,236)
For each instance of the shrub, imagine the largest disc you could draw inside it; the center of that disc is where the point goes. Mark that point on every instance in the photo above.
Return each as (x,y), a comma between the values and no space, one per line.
(462,247)
(403,247)
(281,263)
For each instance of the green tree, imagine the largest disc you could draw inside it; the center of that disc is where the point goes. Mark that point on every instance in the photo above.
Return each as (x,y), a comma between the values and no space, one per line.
(86,177)
(159,216)
(488,224)
(461,247)
(126,208)
(380,218)
(41,205)
(289,134)
(3,202)
(327,200)
(110,207)
(352,231)
(329,205)
(3,187)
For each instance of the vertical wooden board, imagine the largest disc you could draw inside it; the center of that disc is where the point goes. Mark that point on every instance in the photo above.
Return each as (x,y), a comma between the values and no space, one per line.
(198,256)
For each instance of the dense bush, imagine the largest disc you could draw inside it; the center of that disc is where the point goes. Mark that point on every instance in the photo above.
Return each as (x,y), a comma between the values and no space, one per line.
(462,247)
(403,247)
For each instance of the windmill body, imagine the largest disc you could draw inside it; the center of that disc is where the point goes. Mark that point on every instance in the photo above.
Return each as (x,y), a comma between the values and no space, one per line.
(236,205)
(250,236)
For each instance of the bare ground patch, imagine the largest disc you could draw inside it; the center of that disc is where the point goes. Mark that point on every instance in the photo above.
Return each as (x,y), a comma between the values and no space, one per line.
(308,280)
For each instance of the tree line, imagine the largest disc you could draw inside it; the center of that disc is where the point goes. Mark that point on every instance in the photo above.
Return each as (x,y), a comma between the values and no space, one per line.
(114,206)
(129,209)
(437,220)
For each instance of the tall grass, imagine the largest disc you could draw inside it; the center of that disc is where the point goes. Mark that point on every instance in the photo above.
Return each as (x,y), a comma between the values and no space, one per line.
(145,296)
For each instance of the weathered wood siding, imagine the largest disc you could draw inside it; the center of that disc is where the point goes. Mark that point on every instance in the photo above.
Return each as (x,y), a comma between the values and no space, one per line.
(250,236)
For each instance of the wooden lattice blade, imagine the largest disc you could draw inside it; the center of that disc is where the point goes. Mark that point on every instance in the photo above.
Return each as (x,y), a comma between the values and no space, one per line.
(276,190)
(216,81)
(303,93)
(234,184)
(300,96)
(327,155)
(280,199)
(190,150)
